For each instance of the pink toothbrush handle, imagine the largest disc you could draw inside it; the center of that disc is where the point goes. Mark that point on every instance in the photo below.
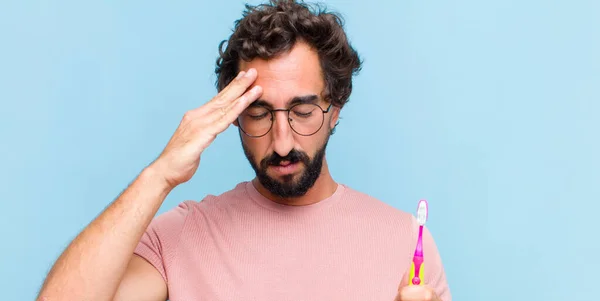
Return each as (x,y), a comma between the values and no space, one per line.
(417,270)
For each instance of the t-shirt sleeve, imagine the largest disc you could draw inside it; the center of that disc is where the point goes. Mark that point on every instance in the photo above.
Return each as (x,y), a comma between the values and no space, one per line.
(435,276)
(159,242)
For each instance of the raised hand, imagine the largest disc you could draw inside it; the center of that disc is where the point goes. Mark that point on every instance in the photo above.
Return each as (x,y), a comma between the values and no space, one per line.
(199,127)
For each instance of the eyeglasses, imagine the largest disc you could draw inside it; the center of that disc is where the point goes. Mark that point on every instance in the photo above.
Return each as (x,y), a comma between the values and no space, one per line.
(305,119)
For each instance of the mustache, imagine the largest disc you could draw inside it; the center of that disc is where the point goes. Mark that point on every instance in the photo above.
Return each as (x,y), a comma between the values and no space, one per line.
(293,156)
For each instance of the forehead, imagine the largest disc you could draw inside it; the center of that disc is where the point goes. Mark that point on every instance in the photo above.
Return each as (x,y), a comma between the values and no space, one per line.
(291,74)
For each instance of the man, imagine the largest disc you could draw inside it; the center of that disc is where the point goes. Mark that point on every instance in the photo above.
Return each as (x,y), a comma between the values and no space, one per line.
(292,233)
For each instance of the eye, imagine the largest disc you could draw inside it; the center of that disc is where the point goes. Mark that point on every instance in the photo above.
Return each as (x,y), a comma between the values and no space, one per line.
(259,116)
(302,114)
(304,110)
(256,112)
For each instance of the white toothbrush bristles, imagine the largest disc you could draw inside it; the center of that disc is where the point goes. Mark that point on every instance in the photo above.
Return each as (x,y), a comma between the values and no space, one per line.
(422,213)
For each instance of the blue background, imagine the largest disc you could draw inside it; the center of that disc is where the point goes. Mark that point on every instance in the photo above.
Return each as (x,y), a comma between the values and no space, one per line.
(488,109)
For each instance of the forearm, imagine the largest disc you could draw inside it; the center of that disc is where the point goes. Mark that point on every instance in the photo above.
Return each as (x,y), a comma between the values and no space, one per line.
(92,266)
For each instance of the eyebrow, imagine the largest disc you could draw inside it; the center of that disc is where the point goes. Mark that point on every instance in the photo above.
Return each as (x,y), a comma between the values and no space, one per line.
(312,99)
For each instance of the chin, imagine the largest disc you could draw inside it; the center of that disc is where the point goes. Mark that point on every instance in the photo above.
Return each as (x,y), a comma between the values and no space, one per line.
(286,186)
(285,179)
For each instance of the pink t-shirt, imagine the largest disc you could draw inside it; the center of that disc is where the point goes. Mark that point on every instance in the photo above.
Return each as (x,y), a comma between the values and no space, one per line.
(241,246)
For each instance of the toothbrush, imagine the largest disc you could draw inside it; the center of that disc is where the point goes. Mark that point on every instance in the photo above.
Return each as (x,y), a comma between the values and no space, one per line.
(417,269)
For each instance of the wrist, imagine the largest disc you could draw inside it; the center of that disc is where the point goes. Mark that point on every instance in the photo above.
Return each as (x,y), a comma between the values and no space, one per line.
(153,176)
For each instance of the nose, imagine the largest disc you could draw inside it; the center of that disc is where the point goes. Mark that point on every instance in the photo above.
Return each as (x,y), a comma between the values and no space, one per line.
(283,138)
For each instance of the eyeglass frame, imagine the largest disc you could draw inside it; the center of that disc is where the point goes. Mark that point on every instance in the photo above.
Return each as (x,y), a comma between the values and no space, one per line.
(272,111)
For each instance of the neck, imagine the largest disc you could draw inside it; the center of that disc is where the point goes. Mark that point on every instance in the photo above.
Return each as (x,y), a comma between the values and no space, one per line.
(323,188)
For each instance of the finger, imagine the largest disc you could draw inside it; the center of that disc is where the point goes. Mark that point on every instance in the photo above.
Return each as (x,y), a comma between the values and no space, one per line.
(405,279)
(217,114)
(250,96)
(230,114)
(224,99)
(235,89)
(415,293)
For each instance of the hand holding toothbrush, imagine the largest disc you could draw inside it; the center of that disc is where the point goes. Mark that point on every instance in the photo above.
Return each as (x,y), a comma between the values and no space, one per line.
(421,292)
(412,286)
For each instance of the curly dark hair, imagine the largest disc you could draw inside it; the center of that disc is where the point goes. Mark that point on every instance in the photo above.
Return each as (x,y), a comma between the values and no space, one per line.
(267,30)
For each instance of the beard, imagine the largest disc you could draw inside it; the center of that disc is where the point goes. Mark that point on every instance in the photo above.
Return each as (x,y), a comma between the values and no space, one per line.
(288,188)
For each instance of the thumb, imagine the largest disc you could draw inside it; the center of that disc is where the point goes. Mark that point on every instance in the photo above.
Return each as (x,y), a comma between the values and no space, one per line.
(405,278)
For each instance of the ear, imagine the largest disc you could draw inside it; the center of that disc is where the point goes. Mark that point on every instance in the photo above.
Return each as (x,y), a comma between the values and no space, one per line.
(335,115)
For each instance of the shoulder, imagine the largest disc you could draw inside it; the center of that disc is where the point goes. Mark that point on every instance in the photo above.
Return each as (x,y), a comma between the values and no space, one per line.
(208,204)
(370,202)
(217,202)
(174,221)
(379,209)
